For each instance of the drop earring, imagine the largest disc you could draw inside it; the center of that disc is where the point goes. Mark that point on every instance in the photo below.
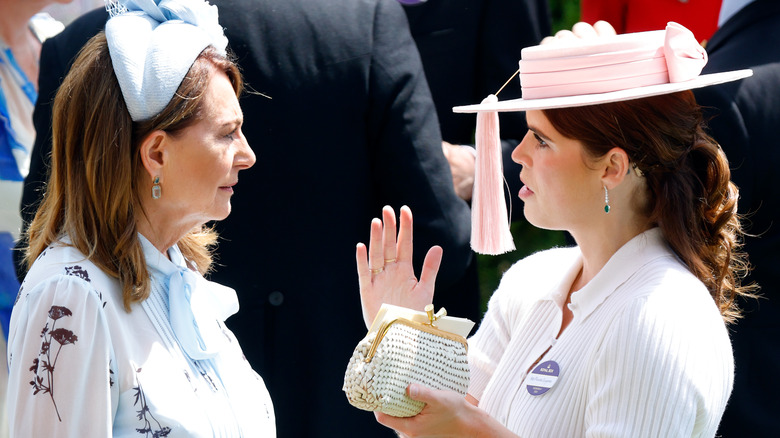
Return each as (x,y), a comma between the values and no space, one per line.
(606,200)
(156,189)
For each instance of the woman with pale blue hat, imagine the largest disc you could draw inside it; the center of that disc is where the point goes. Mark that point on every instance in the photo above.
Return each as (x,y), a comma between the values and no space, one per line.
(115,331)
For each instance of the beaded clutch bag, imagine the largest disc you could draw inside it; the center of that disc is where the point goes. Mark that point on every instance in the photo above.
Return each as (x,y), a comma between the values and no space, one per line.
(405,346)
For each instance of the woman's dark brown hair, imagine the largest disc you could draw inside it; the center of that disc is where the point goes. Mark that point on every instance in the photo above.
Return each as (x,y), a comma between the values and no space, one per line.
(691,196)
(95,186)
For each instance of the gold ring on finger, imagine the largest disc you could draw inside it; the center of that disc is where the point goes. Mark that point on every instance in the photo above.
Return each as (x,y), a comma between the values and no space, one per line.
(389,261)
(377,270)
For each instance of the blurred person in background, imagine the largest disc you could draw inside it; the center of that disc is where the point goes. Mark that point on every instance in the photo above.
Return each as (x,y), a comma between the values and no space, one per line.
(744,118)
(23,28)
(700,16)
(469,50)
(67,12)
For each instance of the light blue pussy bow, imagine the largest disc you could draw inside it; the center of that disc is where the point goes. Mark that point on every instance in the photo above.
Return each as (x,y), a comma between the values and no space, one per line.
(198,308)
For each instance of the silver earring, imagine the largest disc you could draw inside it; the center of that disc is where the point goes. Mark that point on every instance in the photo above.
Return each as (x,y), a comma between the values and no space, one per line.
(156,189)
(606,200)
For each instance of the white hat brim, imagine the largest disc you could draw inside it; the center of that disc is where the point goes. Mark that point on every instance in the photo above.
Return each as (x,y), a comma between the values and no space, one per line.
(612,96)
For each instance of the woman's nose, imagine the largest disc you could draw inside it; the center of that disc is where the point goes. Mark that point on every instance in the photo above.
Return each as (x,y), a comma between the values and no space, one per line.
(246,156)
(519,154)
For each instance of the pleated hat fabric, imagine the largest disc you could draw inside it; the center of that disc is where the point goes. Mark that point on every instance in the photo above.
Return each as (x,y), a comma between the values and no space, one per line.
(577,72)
(153,44)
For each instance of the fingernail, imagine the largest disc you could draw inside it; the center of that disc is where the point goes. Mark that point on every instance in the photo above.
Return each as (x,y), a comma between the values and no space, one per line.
(413,390)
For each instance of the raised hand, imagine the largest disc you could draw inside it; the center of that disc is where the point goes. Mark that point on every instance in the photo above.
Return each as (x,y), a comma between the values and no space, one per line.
(385,270)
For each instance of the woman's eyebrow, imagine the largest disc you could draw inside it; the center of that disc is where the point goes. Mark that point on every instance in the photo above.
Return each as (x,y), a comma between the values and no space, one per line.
(232,122)
(538,132)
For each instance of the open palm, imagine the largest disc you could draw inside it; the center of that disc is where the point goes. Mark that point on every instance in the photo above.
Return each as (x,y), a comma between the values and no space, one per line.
(385,270)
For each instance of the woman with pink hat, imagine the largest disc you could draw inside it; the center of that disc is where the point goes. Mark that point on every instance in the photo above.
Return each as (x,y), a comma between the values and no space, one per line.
(624,334)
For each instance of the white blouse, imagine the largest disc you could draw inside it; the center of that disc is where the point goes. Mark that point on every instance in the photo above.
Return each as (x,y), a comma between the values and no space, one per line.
(82,366)
(647,353)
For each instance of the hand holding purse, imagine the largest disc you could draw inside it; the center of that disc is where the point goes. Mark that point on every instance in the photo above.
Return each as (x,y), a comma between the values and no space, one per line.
(406,346)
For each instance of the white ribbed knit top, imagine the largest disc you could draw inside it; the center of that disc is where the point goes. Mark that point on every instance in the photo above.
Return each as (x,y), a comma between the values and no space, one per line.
(646,355)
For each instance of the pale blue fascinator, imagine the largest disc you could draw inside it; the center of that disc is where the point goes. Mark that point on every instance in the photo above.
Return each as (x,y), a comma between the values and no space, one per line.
(153,44)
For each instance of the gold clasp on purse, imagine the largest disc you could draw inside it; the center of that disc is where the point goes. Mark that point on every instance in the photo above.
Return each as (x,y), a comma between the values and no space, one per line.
(427,327)
(433,317)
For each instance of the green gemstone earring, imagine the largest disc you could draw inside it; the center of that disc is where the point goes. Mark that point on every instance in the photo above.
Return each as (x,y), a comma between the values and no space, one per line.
(606,200)
(156,189)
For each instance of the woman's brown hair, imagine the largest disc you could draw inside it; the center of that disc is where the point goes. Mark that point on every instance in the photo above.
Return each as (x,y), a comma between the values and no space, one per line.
(94,189)
(691,196)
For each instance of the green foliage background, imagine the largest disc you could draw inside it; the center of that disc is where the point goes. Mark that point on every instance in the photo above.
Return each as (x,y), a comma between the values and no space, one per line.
(564,13)
(528,239)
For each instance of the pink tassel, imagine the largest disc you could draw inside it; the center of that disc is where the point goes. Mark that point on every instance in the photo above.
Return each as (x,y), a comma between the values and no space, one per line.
(490,232)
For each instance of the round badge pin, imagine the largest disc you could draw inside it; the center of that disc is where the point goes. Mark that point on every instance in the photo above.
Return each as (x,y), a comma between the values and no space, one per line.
(542,378)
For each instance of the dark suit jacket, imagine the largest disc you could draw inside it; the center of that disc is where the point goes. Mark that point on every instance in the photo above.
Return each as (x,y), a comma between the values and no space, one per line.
(746,115)
(470,48)
(349,127)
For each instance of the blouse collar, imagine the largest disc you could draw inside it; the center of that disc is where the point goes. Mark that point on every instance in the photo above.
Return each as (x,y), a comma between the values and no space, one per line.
(197,307)
(157,262)
(637,252)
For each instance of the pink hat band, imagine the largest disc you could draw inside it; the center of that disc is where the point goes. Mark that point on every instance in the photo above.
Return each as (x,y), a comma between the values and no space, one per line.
(606,64)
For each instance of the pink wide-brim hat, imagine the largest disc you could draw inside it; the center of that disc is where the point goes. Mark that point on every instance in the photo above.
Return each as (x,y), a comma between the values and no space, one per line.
(578,72)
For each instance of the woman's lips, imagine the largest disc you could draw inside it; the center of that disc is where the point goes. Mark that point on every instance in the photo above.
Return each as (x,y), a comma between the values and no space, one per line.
(525,192)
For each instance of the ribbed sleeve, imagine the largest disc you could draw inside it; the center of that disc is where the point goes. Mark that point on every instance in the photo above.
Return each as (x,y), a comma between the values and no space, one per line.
(485,350)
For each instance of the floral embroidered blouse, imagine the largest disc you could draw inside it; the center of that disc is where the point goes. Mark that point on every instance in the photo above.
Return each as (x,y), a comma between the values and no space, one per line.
(82,366)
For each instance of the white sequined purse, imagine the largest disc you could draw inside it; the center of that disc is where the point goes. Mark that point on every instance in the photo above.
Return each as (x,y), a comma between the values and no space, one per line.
(406,346)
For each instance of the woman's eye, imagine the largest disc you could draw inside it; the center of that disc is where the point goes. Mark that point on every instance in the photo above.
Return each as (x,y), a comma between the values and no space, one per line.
(232,134)
(539,142)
